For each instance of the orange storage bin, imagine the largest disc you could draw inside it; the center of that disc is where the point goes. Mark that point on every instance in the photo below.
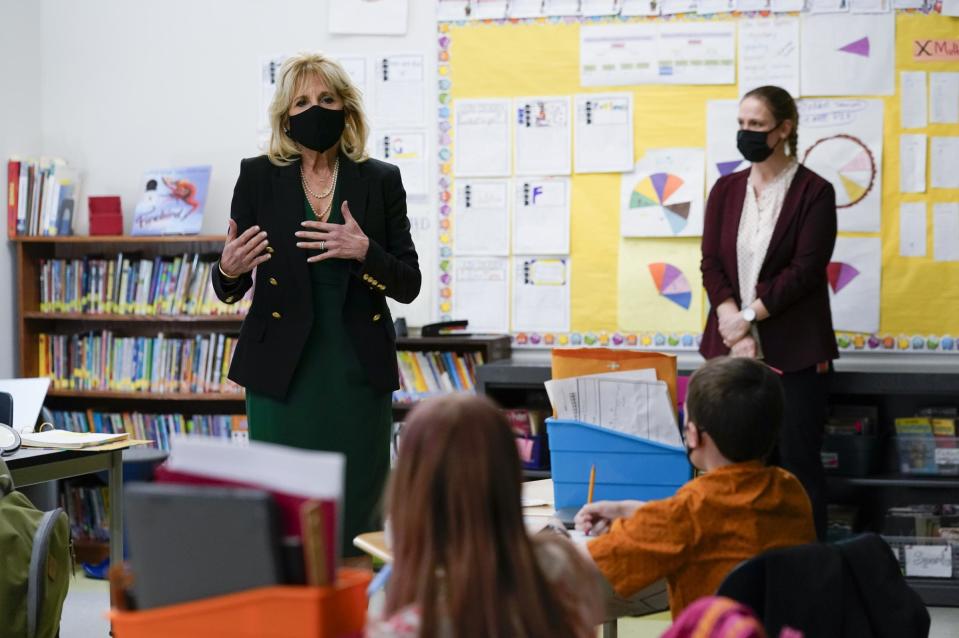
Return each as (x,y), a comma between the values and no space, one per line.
(265,612)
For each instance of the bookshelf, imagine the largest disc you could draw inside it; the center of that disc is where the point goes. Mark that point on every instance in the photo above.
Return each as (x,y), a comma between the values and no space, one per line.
(36,317)
(79,306)
(488,347)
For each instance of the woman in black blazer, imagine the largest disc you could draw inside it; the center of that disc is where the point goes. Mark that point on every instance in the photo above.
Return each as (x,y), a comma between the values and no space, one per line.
(327,232)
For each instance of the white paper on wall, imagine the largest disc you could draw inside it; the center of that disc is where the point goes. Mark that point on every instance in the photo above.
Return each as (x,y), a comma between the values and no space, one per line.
(423,230)
(663,196)
(525,9)
(541,216)
(912,229)
(858,51)
(595,8)
(787,6)
(452,10)
(944,161)
(399,90)
(488,9)
(603,133)
(944,98)
(618,54)
(269,73)
(482,138)
(363,17)
(542,136)
(912,163)
(541,294)
(841,140)
(697,52)
(407,150)
(869,6)
(827,6)
(709,7)
(769,53)
(912,99)
(561,7)
(673,7)
(481,221)
(482,292)
(945,231)
(854,275)
(722,155)
(639,8)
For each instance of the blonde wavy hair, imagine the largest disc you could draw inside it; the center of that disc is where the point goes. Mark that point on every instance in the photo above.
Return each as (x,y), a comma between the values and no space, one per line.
(283,150)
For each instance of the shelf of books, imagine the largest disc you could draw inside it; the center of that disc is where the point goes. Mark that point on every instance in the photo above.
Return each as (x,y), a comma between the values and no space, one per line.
(440,365)
(119,323)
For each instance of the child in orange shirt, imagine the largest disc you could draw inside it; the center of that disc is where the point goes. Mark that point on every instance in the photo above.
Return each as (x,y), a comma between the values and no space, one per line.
(739,508)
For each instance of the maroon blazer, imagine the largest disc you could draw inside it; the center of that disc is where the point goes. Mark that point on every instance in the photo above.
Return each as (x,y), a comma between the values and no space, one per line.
(792,281)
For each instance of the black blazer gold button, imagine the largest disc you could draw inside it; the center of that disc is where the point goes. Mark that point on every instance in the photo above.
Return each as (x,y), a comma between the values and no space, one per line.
(272,281)
(276,315)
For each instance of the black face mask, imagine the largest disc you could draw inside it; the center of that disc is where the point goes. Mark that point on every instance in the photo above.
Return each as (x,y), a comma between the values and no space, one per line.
(317,128)
(752,144)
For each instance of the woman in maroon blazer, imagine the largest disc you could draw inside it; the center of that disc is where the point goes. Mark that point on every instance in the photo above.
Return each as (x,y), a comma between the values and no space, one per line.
(768,236)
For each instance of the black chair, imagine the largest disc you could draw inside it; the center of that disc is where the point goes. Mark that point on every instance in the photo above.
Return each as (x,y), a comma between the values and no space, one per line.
(849,589)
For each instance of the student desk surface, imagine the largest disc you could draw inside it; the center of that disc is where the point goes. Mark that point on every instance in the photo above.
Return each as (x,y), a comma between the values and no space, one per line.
(374,543)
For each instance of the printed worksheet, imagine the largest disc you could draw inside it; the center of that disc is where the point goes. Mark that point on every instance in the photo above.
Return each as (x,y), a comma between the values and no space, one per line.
(399,90)
(482,130)
(943,159)
(481,286)
(481,221)
(769,54)
(912,163)
(912,99)
(604,133)
(541,216)
(407,150)
(543,135)
(912,229)
(540,294)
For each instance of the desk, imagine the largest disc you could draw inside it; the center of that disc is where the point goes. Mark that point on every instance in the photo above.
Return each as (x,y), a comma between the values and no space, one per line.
(374,543)
(29,466)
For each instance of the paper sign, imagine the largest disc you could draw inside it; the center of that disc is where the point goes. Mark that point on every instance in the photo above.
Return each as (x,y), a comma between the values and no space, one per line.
(929,50)
(912,229)
(912,163)
(945,231)
(944,98)
(947,456)
(912,98)
(930,561)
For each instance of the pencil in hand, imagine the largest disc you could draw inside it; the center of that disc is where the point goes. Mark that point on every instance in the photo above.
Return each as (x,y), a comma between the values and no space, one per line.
(592,484)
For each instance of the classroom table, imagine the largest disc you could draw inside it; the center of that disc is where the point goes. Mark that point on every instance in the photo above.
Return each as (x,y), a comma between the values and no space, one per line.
(29,466)
(539,492)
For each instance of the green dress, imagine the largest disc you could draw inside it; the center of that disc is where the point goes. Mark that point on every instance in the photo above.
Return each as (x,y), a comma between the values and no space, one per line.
(330,404)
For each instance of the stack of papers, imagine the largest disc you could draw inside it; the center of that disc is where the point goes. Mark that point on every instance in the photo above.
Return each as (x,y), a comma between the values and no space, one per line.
(633,402)
(66,440)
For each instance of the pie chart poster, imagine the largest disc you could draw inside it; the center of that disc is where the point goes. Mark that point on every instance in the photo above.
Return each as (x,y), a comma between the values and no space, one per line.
(854,276)
(660,285)
(841,140)
(663,196)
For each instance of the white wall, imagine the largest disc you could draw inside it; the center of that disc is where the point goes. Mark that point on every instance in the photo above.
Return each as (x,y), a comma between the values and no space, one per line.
(129,86)
(20,71)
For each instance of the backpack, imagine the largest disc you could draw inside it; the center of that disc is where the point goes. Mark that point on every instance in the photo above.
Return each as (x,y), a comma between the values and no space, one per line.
(35,564)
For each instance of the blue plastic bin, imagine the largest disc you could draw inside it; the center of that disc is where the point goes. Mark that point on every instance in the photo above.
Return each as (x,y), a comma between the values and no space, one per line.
(627,467)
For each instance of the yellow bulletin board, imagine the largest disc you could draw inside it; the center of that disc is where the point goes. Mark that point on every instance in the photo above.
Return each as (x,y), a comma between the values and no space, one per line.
(919,304)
